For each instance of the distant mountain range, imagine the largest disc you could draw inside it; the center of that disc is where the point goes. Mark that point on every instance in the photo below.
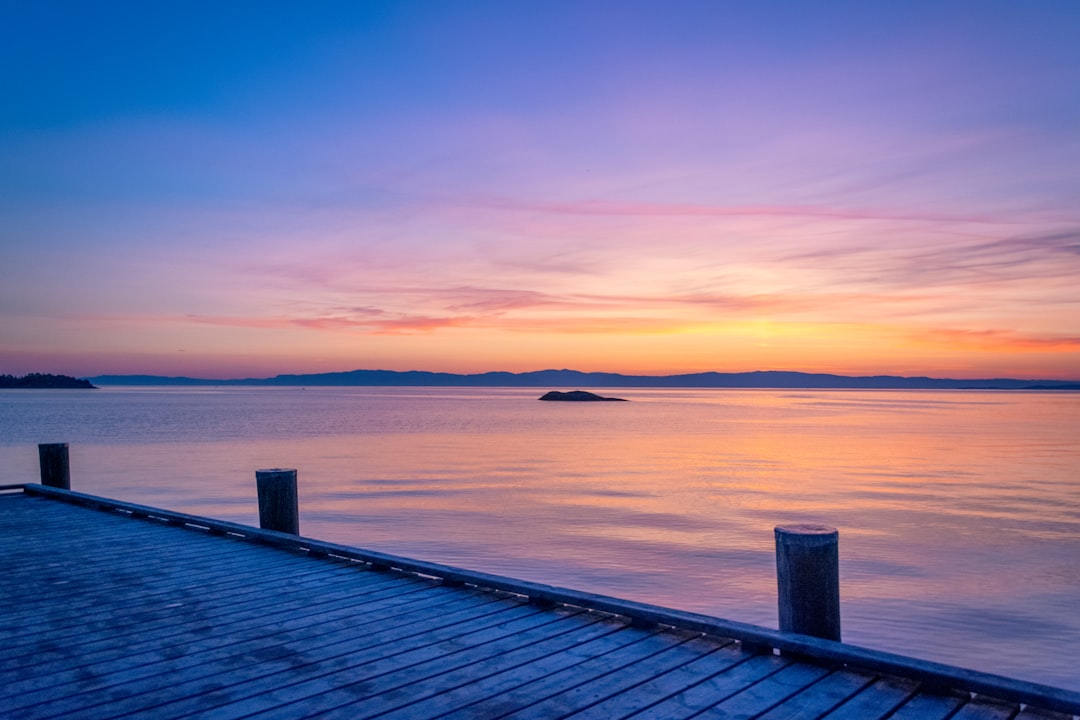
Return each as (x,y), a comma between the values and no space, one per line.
(577,379)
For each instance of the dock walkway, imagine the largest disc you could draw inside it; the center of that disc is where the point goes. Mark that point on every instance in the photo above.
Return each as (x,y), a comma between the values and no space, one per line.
(112,610)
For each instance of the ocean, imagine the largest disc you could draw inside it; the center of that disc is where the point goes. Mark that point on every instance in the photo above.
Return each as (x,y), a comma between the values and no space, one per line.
(958,511)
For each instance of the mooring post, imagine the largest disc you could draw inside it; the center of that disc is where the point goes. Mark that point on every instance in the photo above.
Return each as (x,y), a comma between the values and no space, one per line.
(279,508)
(55,470)
(808,579)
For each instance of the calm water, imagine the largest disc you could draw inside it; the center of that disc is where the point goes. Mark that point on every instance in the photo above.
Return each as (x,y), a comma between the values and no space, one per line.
(959,512)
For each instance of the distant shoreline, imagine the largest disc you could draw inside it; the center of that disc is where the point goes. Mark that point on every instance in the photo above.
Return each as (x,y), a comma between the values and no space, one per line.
(567,378)
(44,381)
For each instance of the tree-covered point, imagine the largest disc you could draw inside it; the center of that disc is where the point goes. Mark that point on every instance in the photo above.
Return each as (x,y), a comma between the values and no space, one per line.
(44,380)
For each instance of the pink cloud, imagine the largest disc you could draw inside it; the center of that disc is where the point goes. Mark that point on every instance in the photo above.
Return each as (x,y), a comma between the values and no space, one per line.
(635,209)
(386,326)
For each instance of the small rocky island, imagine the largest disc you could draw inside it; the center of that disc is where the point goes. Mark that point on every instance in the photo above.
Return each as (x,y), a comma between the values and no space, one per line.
(44,381)
(578,396)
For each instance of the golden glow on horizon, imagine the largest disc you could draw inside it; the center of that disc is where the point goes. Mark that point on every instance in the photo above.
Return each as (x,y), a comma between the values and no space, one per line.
(225,350)
(663,300)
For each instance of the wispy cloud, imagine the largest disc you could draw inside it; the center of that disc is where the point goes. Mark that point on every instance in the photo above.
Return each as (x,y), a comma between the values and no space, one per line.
(647,209)
(383,325)
(1043,264)
(1000,341)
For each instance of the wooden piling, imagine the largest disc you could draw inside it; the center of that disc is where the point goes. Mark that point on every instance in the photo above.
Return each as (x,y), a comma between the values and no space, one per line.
(279,507)
(808,580)
(55,469)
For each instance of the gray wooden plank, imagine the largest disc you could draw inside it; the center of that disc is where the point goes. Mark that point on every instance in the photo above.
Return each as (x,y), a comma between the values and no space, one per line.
(27,546)
(116,587)
(97,633)
(1030,713)
(929,706)
(494,696)
(298,613)
(937,674)
(123,614)
(636,651)
(59,520)
(721,686)
(267,637)
(96,532)
(76,561)
(671,683)
(876,701)
(646,644)
(823,696)
(316,694)
(133,587)
(381,692)
(48,512)
(53,611)
(259,679)
(169,643)
(174,548)
(221,614)
(186,674)
(458,690)
(584,695)
(89,580)
(769,692)
(987,709)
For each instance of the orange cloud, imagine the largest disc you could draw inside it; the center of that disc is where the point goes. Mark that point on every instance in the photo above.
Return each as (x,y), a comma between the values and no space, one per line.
(997,341)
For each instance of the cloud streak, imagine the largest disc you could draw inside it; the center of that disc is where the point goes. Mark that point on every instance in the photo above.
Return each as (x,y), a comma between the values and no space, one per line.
(647,209)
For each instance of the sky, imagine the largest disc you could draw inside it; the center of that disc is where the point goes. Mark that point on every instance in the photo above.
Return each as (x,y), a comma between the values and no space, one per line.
(250,188)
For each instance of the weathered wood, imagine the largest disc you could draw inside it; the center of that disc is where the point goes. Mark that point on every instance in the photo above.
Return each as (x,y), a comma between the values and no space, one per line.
(642,647)
(760,697)
(822,697)
(938,674)
(613,682)
(374,692)
(197,564)
(1035,714)
(726,684)
(55,468)
(279,506)
(929,706)
(191,673)
(875,701)
(343,664)
(268,636)
(986,709)
(492,696)
(665,685)
(224,629)
(239,595)
(808,580)
(160,608)
(465,687)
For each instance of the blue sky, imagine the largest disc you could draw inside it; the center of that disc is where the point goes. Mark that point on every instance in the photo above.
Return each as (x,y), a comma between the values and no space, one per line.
(250,188)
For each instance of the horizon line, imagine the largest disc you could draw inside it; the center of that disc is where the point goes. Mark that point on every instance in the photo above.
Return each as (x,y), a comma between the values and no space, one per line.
(653,376)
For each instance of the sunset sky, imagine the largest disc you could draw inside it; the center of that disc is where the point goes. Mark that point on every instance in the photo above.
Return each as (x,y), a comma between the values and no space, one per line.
(251,188)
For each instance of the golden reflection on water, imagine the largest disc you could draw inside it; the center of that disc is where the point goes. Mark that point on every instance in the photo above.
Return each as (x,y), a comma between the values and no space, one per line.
(959,512)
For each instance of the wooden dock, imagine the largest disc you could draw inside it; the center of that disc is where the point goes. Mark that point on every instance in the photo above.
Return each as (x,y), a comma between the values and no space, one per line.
(109,610)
